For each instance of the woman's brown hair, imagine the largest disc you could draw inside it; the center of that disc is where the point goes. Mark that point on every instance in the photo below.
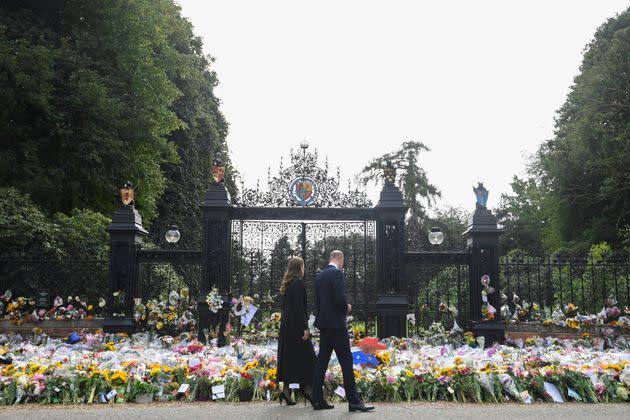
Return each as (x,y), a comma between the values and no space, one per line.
(294,270)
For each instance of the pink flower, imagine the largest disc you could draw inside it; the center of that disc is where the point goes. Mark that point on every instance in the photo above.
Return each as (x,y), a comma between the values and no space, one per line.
(391,379)
(600,388)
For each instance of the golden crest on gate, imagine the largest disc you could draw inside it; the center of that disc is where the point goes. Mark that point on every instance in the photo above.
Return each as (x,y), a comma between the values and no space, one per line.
(127,193)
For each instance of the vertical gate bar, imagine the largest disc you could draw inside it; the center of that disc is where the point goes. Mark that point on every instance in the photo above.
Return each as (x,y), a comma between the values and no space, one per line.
(459,293)
(571,282)
(365,246)
(529,282)
(540,290)
(614,267)
(627,284)
(593,298)
(251,272)
(518,278)
(241,269)
(604,288)
(507,275)
(303,238)
(561,267)
(582,291)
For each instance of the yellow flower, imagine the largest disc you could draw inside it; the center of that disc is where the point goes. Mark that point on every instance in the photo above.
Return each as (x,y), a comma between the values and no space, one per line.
(110,346)
(572,323)
(119,376)
(409,373)
(586,335)
(271,374)
(90,307)
(159,325)
(458,361)
(251,365)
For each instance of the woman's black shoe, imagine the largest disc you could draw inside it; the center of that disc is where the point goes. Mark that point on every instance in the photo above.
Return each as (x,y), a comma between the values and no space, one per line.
(286,399)
(307,397)
(322,406)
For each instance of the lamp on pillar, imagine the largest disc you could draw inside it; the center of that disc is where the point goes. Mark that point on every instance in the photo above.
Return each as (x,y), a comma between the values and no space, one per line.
(126,234)
(172,235)
(436,237)
(482,241)
(392,304)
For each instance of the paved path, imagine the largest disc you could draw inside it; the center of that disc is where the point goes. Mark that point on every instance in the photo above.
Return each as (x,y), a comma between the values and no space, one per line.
(247,411)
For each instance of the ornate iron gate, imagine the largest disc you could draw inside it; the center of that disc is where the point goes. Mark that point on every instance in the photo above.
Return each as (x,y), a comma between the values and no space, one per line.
(261,248)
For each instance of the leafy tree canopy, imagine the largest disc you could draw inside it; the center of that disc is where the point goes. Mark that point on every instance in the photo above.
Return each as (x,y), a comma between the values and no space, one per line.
(585,168)
(96,93)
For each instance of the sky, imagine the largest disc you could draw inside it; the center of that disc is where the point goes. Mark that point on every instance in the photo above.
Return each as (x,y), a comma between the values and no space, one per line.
(478,82)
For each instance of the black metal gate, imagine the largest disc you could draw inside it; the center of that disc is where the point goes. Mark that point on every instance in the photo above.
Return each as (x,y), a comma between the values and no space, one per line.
(261,249)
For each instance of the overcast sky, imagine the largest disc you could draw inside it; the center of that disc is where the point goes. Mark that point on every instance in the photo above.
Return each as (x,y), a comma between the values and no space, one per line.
(477,81)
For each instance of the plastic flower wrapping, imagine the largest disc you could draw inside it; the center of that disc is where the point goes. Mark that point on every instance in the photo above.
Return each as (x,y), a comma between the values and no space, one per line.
(21,309)
(438,365)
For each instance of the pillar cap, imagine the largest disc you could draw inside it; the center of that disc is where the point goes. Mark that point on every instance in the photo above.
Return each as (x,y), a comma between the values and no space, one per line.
(217,196)
(391,197)
(127,219)
(482,221)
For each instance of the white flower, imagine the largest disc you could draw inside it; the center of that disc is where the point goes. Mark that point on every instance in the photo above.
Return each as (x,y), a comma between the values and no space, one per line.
(214,300)
(411,318)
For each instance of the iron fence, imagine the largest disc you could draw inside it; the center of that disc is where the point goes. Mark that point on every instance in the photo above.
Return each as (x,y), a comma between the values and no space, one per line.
(554,282)
(438,292)
(56,277)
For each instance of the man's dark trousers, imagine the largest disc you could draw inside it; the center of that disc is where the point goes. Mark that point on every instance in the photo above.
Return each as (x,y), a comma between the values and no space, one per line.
(335,339)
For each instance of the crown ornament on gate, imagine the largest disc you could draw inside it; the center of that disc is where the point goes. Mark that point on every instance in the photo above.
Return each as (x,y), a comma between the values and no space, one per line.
(304,184)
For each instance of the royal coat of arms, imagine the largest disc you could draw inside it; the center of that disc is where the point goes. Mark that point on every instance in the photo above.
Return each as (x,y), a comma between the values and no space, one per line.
(303,190)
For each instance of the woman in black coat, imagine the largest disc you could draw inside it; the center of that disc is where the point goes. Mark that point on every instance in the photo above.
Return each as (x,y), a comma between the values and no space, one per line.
(296,357)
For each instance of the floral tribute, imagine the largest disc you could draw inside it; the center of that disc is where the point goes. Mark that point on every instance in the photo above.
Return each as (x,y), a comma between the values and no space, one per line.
(107,369)
(487,310)
(20,309)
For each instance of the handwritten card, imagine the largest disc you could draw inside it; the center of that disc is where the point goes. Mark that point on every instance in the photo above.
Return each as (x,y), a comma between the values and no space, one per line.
(111,394)
(294,386)
(247,317)
(340,391)
(218,392)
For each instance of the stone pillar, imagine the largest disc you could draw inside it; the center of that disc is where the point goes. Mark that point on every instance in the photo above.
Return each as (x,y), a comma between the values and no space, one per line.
(482,241)
(217,258)
(392,304)
(126,234)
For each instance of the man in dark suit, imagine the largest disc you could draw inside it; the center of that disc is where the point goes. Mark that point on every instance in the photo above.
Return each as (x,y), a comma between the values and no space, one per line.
(332,308)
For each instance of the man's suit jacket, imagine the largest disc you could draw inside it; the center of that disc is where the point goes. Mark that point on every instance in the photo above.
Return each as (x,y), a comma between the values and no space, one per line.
(330,295)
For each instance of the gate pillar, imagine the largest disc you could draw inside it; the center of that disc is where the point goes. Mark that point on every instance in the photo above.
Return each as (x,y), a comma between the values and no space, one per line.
(482,241)
(125,238)
(216,259)
(392,303)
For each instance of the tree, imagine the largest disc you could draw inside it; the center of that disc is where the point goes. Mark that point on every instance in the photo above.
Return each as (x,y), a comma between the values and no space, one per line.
(585,167)
(411,178)
(98,93)
(199,142)
(524,217)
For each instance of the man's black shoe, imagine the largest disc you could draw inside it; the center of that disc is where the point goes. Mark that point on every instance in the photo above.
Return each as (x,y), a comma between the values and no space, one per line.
(322,406)
(360,407)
